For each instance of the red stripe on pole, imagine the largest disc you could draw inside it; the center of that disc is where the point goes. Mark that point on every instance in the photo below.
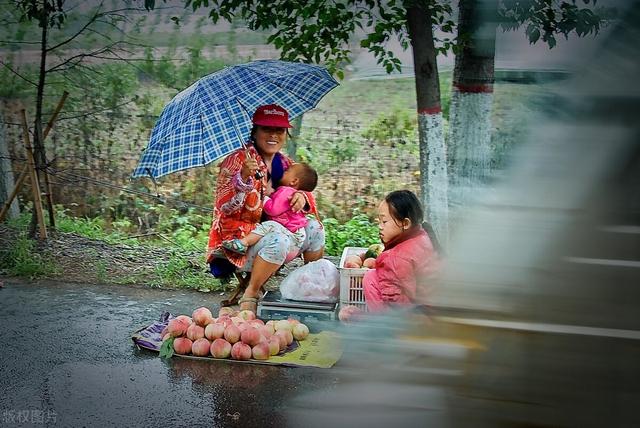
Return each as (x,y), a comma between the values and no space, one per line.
(474,89)
(430,110)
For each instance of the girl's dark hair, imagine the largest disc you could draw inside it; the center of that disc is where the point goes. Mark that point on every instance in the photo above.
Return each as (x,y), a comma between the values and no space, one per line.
(405,204)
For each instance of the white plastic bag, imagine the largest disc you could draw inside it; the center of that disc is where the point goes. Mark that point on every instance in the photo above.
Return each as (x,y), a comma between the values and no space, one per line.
(317,281)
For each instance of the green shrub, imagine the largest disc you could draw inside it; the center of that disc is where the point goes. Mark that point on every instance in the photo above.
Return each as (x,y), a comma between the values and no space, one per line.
(398,127)
(327,153)
(87,227)
(22,259)
(357,232)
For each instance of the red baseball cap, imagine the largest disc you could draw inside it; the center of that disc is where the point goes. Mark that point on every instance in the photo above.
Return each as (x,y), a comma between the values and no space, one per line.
(271,115)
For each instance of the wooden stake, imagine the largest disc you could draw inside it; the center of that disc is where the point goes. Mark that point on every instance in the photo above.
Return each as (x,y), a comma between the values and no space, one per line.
(5,209)
(35,186)
(25,171)
(65,94)
(49,195)
(47,182)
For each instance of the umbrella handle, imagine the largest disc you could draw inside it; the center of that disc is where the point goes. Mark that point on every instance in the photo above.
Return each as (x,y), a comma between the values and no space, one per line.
(258,174)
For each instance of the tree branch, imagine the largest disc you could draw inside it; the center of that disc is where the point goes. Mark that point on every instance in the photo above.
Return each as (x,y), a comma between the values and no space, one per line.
(96,18)
(80,31)
(94,31)
(76,59)
(82,70)
(96,112)
(8,67)
(16,42)
(109,23)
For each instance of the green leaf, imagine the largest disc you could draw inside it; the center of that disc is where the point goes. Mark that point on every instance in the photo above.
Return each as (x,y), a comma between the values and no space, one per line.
(166,350)
(534,35)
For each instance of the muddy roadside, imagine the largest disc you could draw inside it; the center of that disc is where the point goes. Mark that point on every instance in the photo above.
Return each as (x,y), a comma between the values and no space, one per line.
(81,260)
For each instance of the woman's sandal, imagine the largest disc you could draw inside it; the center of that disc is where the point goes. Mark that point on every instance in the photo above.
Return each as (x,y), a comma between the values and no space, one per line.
(249,303)
(235,245)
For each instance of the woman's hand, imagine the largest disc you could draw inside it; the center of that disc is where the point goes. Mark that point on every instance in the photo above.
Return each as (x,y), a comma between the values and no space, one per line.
(249,168)
(298,201)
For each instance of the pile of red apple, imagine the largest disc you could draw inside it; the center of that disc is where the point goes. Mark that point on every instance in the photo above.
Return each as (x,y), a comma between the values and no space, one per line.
(234,334)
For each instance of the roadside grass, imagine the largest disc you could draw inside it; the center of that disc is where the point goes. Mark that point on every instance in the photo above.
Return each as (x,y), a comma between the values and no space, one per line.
(21,258)
(174,266)
(182,271)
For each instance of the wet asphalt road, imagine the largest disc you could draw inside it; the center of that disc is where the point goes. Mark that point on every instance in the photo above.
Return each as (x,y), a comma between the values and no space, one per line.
(67,360)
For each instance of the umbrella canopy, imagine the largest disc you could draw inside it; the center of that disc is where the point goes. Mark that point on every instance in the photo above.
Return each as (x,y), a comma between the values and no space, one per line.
(212,117)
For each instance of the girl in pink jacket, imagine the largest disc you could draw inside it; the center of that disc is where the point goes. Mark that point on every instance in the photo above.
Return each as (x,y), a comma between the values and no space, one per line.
(409,260)
(277,207)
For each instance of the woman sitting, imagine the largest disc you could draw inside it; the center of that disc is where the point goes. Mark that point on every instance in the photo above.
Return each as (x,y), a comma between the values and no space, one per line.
(246,177)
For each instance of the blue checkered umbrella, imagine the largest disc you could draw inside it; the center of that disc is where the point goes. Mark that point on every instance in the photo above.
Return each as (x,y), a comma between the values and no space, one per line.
(212,117)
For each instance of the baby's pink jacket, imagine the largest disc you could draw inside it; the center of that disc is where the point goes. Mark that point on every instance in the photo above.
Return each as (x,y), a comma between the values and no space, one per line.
(278,209)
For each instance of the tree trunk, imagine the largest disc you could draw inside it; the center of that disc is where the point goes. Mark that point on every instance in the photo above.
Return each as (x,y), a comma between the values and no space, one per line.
(433,154)
(292,142)
(472,99)
(39,154)
(7,181)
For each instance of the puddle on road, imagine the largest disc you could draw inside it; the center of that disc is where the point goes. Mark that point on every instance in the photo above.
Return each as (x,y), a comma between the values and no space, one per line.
(107,394)
(152,390)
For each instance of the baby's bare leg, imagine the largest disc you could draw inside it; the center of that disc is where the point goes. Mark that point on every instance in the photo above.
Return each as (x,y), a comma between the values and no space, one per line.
(251,239)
